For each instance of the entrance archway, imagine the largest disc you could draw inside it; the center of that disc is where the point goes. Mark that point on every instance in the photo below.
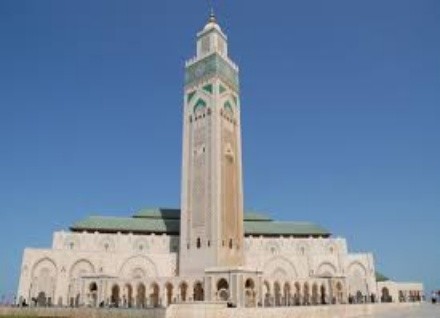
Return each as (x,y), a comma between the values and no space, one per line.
(249,287)
(306,300)
(183,291)
(140,297)
(386,297)
(198,292)
(93,290)
(323,295)
(41,299)
(266,293)
(154,295)
(223,290)
(115,298)
(169,292)
(315,294)
(297,296)
(339,293)
(129,299)
(287,297)
(277,293)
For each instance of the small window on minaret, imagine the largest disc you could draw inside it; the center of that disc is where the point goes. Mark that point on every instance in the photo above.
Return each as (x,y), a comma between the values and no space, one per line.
(230,243)
(209,243)
(198,242)
(205,45)
(221,46)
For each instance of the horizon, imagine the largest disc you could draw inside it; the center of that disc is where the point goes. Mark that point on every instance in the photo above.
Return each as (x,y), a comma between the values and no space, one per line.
(340,108)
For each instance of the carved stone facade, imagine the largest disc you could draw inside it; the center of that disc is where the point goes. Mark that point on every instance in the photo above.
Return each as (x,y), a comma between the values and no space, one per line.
(141,270)
(208,250)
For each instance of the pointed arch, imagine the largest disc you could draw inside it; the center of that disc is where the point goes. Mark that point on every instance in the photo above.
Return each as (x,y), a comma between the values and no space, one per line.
(138,264)
(199,105)
(227,106)
(357,265)
(41,262)
(326,269)
(80,267)
(357,284)
(280,264)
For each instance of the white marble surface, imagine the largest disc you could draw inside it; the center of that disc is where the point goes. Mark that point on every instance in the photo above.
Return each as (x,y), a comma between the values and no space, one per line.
(422,311)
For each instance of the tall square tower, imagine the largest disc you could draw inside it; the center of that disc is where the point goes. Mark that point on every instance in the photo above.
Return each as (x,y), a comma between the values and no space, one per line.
(211,230)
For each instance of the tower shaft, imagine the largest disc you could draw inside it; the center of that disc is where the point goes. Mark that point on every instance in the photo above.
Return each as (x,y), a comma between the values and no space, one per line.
(212,189)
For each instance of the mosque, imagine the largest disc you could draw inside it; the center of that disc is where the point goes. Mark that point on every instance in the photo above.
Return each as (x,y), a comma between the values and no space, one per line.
(210,249)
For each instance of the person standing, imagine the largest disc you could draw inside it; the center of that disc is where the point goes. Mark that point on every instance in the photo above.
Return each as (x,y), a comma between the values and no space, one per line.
(434,297)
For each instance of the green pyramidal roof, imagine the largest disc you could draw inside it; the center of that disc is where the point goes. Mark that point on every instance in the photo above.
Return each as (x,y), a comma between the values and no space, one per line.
(381,278)
(167,221)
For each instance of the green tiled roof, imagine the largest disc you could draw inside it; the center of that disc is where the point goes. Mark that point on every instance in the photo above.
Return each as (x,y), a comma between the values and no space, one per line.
(163,213)
(283,228)
(381,278)
(161,220)
(174,214)
(256,216)
(135,225)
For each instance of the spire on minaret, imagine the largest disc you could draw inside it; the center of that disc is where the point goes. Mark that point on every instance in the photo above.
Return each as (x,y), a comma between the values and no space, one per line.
(211,38)
(212,15)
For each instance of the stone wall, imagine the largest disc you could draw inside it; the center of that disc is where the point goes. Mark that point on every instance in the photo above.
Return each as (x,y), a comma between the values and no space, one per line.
(211,310)
(83,312)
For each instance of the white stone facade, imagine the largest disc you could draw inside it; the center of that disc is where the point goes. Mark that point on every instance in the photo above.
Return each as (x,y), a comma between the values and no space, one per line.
(145,269)
(210,259)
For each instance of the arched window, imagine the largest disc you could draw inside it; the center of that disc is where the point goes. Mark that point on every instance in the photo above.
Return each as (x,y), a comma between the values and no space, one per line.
(198,242)
(199,106)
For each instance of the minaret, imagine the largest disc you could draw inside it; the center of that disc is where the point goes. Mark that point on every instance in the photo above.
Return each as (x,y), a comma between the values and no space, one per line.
(211,229)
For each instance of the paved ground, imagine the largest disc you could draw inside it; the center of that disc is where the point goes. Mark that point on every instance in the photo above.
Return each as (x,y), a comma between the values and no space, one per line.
(422,311)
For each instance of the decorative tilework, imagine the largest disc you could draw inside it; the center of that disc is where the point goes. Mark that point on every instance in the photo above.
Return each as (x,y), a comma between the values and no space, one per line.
(208,88)
(199,105)
(212,65)
(190,96)
(222,89)
(228,107)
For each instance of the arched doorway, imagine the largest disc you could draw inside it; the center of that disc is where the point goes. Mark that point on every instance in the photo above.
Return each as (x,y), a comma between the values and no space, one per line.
(169,292)
(323,295)
(359,297)
(140,297)
(183,291)
(315,294)
(128,302)
(115,298)
(41,299)
(250,298)
(198,292)
(266,293)
(223,290)
(154,295)
(277,293)
(386,297)
(93,291)
(306,292)
(287,297)
(297,296)
(339,293)
(77,299)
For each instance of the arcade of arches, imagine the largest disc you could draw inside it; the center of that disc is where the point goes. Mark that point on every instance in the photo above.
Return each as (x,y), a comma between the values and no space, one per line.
(148,294)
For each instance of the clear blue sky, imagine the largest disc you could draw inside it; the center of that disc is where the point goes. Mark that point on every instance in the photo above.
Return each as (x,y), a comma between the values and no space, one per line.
(340,116)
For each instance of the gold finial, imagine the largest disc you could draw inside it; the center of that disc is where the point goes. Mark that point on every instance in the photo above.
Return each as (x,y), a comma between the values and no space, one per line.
(211,9)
